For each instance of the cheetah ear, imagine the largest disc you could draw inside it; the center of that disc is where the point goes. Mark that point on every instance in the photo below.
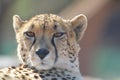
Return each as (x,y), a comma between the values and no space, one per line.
(79,25)
(17,23)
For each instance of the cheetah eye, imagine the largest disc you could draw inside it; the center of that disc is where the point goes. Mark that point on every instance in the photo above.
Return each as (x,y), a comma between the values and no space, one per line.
(59,34)
(29,34)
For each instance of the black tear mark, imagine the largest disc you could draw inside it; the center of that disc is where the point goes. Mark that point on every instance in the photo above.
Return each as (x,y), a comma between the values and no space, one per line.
(33,43)
(56,52)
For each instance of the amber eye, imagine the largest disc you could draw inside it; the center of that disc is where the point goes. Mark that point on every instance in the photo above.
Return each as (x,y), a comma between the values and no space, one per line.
(59,34)
(29,34)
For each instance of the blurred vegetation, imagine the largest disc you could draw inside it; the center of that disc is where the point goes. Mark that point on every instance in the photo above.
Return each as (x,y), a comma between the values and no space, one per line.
(106,62)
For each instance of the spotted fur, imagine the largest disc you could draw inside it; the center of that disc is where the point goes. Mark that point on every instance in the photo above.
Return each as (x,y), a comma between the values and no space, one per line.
(48,43)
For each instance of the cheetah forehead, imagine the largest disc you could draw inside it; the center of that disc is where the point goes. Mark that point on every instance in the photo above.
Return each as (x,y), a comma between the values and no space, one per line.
(47,17)
(49,22)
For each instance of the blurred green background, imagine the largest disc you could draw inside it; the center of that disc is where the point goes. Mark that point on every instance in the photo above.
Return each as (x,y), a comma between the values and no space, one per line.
(100,53)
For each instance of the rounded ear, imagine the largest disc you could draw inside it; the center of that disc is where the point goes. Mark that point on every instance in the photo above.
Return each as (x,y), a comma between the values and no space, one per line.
(17,22)
(79,25)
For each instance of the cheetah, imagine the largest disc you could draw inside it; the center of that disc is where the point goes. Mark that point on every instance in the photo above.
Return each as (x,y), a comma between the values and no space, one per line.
(48,48)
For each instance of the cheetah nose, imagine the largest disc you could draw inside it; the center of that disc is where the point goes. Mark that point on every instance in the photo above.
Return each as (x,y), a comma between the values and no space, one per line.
(42,53)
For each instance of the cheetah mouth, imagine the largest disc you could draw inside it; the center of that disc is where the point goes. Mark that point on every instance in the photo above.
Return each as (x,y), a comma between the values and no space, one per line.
(43,66)
(43,63)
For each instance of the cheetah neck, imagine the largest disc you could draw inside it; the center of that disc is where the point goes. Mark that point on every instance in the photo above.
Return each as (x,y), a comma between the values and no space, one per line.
(61,73)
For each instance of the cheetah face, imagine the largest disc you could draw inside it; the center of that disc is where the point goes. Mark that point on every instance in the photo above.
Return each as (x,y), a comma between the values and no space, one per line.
(46,41)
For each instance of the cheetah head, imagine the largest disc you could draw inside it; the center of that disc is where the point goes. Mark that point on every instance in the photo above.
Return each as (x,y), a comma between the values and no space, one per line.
(47,40)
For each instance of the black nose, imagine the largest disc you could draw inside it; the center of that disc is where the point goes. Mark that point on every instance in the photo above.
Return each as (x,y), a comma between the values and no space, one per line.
(42,53)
